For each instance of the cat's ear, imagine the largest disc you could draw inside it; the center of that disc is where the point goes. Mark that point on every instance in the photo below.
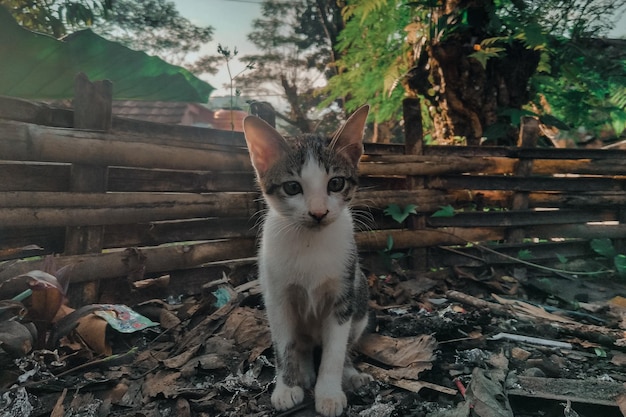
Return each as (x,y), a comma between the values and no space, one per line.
(265,144)
(348,140)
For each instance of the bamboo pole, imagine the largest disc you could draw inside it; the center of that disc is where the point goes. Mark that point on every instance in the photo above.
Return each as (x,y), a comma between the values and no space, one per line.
(91,267)
(27,142)
(406,239)
(39,209)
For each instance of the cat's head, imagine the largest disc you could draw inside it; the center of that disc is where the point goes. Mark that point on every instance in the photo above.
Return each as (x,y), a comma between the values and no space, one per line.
(309,179)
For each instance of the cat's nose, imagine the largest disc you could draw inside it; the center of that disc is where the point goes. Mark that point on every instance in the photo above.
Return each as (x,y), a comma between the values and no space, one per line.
(318,215)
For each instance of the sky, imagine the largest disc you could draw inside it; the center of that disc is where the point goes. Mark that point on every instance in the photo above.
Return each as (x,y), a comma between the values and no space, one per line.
(231,21)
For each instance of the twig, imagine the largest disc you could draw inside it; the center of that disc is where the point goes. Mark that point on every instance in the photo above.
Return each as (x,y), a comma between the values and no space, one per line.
(95,362)
(513,258)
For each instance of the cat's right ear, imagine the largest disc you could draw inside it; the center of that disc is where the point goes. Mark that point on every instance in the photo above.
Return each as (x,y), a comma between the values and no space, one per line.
(265,144)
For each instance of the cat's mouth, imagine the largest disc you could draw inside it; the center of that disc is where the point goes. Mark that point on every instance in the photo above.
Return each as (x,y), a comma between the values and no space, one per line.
(315,224)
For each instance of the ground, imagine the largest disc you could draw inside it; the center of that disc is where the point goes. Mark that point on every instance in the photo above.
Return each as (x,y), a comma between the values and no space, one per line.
(483,341)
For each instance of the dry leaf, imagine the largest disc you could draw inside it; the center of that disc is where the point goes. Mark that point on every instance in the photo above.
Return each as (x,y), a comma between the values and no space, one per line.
(92,329)
(59,409)
(249,329)
(531,310)
(48,296)
(400,352)
(178,361)
(15,338)
(619,359)
(162,382)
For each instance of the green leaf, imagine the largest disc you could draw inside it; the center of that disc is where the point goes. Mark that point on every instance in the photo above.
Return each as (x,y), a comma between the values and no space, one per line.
(524,254)
(620,265)
(603,247)
(618,121)
(37,66)
(561,258)
(400,214)
(444,211)
(389,243)
(600,353)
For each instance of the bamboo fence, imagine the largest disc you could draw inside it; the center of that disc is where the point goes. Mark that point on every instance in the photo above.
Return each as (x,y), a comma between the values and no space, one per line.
(112,196)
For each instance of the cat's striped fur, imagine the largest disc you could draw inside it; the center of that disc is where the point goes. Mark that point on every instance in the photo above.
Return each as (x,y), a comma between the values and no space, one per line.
(314,291)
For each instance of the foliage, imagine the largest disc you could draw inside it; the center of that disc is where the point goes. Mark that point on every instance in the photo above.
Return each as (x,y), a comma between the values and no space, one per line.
(387,42)
(605,248)
(388,255)
(444,211)
(44,68)
(227,56)
(373,58)
(296,41)
(55,17)
(587,85)
(156,27)
(398,213)
(153,26)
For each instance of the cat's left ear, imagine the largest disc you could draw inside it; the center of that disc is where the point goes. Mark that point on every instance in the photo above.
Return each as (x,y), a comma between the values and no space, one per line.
(348,140)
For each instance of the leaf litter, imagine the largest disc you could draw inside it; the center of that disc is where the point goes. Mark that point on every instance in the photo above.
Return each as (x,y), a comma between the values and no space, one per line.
(449,343)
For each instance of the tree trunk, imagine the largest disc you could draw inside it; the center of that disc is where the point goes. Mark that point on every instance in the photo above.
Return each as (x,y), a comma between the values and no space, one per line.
(464,98)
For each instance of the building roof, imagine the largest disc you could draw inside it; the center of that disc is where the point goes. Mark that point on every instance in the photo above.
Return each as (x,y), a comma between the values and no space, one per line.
(152,111)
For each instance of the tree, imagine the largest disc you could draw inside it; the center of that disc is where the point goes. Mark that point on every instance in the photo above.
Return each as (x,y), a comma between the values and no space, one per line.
(373,60)
(473,62)
(153,26)
(156,27)
(57,16)
(296,40)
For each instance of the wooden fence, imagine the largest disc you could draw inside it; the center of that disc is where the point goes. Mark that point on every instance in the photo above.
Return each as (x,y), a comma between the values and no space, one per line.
(120,199)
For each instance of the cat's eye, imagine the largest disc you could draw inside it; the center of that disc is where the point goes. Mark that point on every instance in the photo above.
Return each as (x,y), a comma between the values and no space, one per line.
(336,184)
(292,187)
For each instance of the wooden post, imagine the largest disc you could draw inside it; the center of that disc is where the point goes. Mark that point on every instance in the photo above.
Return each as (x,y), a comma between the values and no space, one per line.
(92,111)
(414,145)
(528,137)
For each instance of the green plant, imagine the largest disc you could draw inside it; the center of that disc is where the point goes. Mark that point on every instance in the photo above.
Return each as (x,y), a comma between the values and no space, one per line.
(605,248)
(398,213)
(228,56)
(444,211)
(388,255)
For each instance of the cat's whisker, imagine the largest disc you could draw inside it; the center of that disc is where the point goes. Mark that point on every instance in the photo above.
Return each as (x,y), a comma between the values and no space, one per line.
(363,219)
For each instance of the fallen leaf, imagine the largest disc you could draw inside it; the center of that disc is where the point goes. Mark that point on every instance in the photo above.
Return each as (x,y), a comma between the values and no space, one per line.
(59,409)
(15,338)
(249,329)
(619,359)
(399,352)
(162,382)
(92,329)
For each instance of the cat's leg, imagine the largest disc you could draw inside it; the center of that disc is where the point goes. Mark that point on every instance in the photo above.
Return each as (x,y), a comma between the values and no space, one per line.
(352,378)
(306,363)
(330,400)
(292,369)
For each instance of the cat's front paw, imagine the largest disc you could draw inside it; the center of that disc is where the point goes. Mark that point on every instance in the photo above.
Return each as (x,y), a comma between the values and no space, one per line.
(330,403)
(285,397)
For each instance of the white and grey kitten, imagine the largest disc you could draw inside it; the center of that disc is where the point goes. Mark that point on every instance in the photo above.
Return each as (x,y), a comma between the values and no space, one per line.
(314,290)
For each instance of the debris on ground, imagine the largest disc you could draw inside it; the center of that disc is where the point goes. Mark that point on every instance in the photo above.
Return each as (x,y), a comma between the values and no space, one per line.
(447,343)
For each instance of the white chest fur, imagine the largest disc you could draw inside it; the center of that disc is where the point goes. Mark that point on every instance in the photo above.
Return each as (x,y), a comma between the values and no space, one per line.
(308,258)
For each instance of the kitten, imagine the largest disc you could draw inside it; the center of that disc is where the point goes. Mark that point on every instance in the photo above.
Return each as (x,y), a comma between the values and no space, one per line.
(314,290)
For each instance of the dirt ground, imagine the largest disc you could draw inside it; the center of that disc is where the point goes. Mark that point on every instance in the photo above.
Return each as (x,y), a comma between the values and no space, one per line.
(482,341)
